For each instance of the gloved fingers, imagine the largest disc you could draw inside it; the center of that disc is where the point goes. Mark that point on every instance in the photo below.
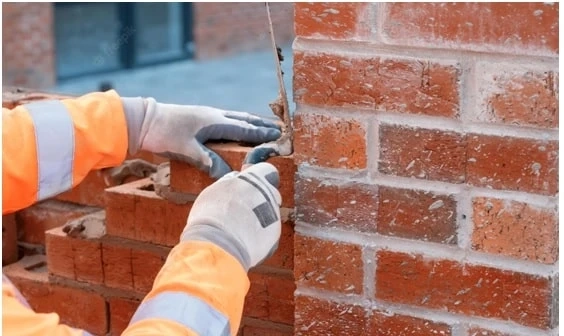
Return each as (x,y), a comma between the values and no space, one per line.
(213,164)
(261,153)
(267,175)
(251,119)
(237,130)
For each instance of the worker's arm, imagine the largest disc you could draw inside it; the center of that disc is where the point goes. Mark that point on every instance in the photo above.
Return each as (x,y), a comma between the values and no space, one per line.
(49,146)
(233,225)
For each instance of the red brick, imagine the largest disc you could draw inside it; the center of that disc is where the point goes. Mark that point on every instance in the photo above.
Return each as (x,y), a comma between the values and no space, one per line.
(131,265)
(384,323)
(271,298)
(485,332)
(518,96)
(9,239)
(330,142)
(513,164)
(511,27)
(284,256)
(515,229)
(256,327)
(135,213)
(422,153)
(77,307)
(416,214)
(328,265)
(330,20)
(35,220)
(188,179)
(77,258)
(478,290)
(121,312)
(398,85)
(319,317)
(349,205)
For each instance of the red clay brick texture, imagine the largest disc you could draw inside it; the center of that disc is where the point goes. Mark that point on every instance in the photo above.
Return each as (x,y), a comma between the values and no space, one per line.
(283,258)
(320,317)
(422,153)
(515,229)
(477,291)
(328,203)
(414,214)
(396,85)
(517,95)
(9,239)
(328,265)
(271,297)
(335,21)
(28,57)
(526,28)
(121,312)
(188,179)
(129,207)
(513,164)
(330,142)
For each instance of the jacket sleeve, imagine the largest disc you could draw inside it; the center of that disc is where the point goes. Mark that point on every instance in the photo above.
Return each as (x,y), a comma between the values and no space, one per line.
(49,146)
(200,290)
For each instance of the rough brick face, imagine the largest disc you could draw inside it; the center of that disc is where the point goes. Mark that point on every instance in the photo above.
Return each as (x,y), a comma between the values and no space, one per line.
(328,265)
(465,289)
(517,96)
(515,229)
(396,85)
(422,153)
(121,312)
(349,205)
(383,323)
(330,20)
(330,142)
(522,27)
(271,298)
(513,164)
(417,215)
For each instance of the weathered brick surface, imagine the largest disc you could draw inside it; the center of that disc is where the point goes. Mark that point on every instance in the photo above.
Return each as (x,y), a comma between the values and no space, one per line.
(327,203)
(121,312)
(517,95)
(513,164)
(515,229)
(478,290)
(337,21)
(130,205)
(379,83)
(9,239)
(255,327)
(271,297)
(283,258)
(417,214)
(330,142)
(188,179)
(328,265)
(422,153)
(509,27)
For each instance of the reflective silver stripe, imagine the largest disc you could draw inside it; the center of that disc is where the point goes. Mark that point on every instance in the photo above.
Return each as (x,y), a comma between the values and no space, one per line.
(184,309)
(86,333)
(17,293)
(54,137)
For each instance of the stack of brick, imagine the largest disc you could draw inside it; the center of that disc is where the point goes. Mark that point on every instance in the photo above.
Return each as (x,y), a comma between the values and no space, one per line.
(96,281)
(427,153)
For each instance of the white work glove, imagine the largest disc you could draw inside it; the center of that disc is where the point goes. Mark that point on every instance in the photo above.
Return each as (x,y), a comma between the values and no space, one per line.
(239,213)
(180,131)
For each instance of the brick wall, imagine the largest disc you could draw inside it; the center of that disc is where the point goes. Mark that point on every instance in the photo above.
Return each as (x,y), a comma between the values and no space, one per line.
(28,53)
(427,153)
(227,28)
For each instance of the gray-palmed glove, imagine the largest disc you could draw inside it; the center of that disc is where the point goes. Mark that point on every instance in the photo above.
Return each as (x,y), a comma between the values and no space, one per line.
(239,213)
(180,131)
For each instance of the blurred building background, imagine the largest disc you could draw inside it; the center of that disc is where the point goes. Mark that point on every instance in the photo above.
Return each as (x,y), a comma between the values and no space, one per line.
(178,52)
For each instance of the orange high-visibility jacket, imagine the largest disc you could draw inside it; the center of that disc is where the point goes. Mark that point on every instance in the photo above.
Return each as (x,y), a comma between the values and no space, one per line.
(48,147)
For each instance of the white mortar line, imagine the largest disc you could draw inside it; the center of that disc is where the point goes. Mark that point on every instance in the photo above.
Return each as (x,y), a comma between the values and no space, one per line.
(459,329)
(372,145)
(386,49)
(423,312)
(433,122)
(369,269)
(342,176)
(377,12)
(464,214)
(427,249)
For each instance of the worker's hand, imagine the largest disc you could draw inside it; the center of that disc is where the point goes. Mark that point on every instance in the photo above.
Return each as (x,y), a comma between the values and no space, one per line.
(180,131)
(240,213)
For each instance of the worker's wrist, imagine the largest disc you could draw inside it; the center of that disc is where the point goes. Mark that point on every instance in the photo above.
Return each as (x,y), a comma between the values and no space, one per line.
(217,236)
(134,110)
